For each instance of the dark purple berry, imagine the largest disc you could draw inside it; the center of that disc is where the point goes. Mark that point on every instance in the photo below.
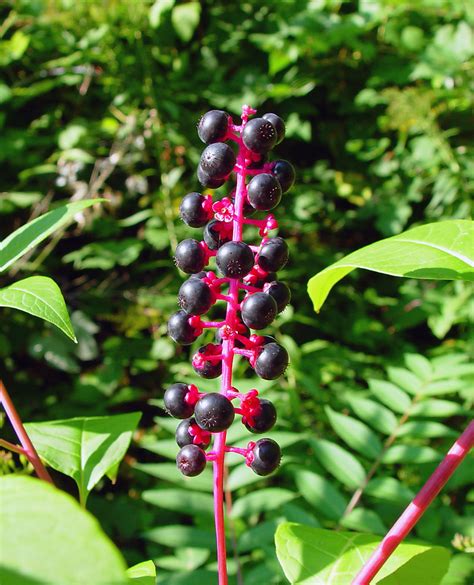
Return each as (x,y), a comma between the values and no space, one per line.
(175,401)
(284,172)
(258,310)
(280,292)
(279,125)
(213,126)
(258,164)
(193,211)
(191,460)
(259,135)
(273,255)
(235,259)
(264,420)
(207,181)
(217,160)
(180,330)
(207,369)
(266,456)
(195,296)
(272,361)
(184,437)
(214,412)
(264,192)
(190,256)
(216,233)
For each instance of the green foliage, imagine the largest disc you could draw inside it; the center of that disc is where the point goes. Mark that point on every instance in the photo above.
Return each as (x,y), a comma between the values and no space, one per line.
(103,101)
(312,556)
(86,449)
(440,251)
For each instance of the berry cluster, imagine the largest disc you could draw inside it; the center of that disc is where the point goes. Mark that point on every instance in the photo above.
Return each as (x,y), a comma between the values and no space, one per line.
(246,281)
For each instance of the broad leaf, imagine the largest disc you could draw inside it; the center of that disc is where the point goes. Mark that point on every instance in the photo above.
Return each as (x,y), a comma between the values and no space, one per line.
(86,449)
(410,454)
(364,520)
(41,297)
(438,251)
(355,434)
(313,556)
(390,395)
(377,416)
(143,573)
(172,499)
(169,472)
(177,536)
(34,232)
(51,540)
(261,501)
(390,490)
(339,463)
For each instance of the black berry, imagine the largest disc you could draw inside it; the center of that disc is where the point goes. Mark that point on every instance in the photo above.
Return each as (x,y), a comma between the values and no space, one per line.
(180,330)
(184,437)
(213,126)
(192,210)
(195,296)
(208,369)
(191,460)
(235,259)
(284,172)
(272,361)
(280,292)
(216,233)
(266,456)
(217,160)
(207,181)
(214,412)
(264,192)
(258,310)
(175,401)
(273,255)
(190,256)
(259,135)
(264,420)
(279,125)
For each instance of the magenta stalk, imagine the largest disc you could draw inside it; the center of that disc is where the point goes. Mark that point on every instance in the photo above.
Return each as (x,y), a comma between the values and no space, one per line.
(417,507)
(226,380)
(27,446)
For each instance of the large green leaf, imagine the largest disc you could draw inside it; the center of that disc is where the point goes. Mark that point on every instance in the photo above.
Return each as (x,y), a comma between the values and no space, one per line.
(313,556)
(339,462)
(34,232)
(438,251)
(41,297)
(143,573)
(86,449)
(49,540)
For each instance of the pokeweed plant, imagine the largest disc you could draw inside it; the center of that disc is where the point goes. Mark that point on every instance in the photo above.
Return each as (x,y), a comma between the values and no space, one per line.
(253,297)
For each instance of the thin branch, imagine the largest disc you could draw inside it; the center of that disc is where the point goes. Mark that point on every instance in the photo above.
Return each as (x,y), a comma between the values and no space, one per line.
(11,447)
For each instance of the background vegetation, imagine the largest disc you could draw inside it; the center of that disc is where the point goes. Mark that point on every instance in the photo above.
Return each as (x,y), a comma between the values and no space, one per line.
(102,99)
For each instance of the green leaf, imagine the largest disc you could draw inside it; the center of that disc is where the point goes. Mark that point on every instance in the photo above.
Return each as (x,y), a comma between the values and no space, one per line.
(261,501)
(86,449)
(424,429)
(177,536)
(320,493)
(437,408)
(172,499)
(143,573)
(364,520)
(41,297)
(339,463)
(419,365)
(313,556)
(355,433)
(185,19)
(410,454)
(169,472)
(34,232)
(390,490)
(51,540)
(405,379)
(390,395)
(158,10)
(380,418)
(438,251)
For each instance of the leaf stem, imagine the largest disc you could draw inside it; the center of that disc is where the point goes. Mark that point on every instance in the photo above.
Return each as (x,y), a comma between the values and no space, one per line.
(27,445)
(417,507)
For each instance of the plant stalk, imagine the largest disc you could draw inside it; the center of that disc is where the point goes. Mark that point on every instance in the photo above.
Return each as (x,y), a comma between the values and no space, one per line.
(22,435)
(417,507)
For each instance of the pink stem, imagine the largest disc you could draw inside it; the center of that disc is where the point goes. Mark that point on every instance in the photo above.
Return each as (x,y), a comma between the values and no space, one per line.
(22,435)
(417,507)
(227,361)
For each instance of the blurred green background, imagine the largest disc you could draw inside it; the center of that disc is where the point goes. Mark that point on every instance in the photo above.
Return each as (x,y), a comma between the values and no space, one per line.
(102,99)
